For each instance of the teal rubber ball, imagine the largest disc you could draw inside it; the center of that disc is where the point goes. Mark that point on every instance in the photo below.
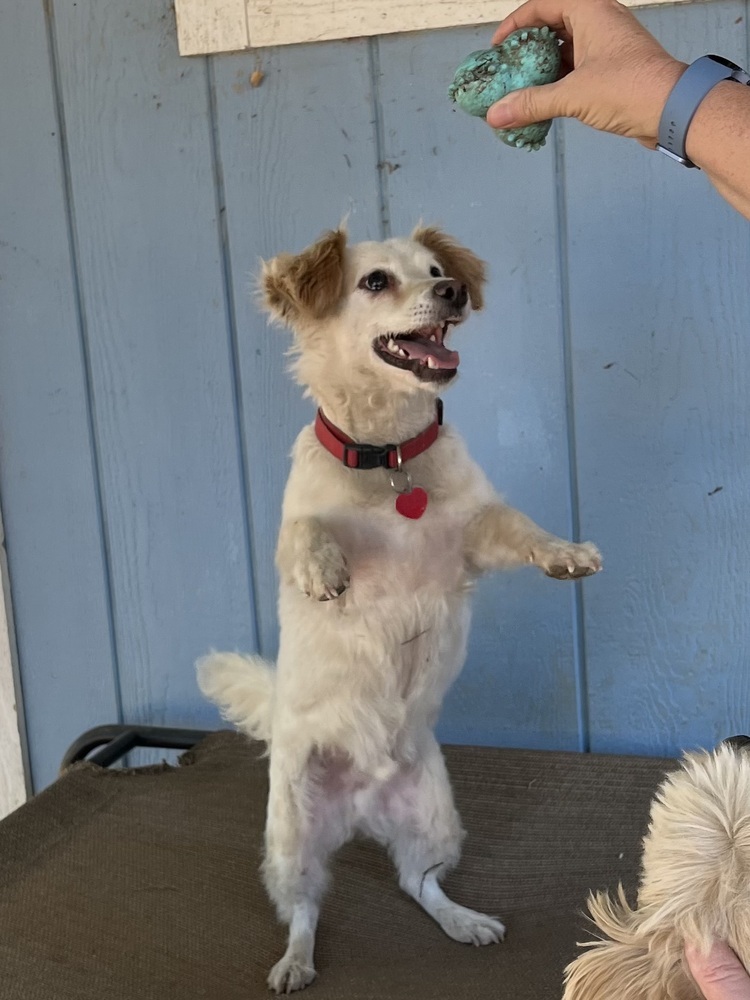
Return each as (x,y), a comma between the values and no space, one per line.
(527,58)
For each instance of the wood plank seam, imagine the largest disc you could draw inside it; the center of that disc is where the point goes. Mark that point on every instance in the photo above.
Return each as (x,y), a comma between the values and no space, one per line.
(381,174)
(577,595)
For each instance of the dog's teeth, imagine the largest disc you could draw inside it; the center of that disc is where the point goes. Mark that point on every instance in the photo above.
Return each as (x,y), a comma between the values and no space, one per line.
(393,346)
(401,352)
(432,363)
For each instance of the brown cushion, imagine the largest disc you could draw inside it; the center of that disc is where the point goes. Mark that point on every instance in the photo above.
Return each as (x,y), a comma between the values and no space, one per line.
(144,885)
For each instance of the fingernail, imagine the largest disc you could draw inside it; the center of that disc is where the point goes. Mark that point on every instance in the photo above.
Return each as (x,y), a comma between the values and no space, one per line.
(500,115)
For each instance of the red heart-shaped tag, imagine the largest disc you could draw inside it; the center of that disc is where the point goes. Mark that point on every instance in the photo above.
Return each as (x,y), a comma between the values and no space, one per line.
(412,504)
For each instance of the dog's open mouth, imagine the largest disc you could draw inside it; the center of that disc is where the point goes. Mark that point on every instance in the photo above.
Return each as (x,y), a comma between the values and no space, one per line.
(421,352)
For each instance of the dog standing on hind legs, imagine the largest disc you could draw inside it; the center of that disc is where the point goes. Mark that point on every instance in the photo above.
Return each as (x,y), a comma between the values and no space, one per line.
(386,524)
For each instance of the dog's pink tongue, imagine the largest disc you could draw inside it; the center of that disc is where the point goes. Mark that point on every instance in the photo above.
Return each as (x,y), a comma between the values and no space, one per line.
(422,348)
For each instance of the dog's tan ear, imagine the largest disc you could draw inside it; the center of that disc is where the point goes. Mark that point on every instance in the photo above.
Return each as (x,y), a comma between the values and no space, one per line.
(456,261)
(308,285)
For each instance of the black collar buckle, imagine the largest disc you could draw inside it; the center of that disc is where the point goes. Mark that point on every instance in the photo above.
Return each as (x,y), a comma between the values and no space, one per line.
(368,456)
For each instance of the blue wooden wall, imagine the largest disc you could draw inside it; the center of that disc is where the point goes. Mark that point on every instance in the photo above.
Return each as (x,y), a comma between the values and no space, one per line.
(145,417)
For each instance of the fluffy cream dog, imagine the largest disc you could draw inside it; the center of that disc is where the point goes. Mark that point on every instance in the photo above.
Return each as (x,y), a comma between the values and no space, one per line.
(374,599)
(695,888)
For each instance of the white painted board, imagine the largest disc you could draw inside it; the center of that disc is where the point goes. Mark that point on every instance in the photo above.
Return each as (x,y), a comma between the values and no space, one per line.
(205,26)
(12,780)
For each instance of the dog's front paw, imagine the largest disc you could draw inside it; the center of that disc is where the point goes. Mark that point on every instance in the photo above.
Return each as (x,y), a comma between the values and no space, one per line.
(470,927)
(566,560)
(289,975)
(323,574)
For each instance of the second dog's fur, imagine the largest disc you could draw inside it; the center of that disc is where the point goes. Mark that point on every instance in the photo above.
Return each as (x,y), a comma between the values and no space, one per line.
(695,888)
(373,606)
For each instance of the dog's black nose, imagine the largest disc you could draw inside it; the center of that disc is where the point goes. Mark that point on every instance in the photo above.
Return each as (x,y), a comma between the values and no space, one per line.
(452,291)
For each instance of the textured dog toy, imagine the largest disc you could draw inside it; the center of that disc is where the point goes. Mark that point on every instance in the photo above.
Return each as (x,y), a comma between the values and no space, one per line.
(526,58)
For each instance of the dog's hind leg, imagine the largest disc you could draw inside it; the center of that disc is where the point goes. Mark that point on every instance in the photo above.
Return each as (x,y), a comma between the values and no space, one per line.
(424,838)
(302,829)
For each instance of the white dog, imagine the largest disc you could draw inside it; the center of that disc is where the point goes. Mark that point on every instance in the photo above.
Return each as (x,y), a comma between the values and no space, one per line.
(379,546)
(695,888)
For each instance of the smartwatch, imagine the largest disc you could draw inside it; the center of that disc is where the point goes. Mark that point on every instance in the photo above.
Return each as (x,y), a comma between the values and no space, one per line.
(698,79)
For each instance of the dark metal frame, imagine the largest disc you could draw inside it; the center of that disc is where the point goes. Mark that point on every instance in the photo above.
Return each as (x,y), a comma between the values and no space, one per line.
(105,745)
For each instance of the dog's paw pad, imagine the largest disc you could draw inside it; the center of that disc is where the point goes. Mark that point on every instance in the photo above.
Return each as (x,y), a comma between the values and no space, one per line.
(570,572)
(333,592)
(470,927)
(323,575)
(290,975)
(567,560)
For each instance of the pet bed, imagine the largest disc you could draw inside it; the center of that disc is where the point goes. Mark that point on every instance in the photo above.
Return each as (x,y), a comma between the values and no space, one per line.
(143,884)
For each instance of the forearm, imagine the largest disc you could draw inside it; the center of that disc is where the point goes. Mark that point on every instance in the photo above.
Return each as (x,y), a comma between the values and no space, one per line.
(500,537)
(309,557)
(718,141)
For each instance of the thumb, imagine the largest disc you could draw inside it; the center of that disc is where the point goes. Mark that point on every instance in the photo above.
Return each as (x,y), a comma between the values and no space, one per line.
(719,974)
(533,104)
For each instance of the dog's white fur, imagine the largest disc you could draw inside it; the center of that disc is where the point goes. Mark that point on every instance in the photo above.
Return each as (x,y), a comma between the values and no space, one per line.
(349,711)
(695,888)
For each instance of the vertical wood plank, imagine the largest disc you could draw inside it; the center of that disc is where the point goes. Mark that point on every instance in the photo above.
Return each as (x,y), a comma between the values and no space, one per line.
(297,154)
(520,683)
(47,472)
(147,234)
(660,307)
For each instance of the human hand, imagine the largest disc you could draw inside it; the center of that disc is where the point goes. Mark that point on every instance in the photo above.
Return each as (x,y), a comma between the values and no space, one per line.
(720,975)
(617,76)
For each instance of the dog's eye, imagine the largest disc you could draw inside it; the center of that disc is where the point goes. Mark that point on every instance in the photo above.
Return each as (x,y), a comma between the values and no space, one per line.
(375,281)
(435,272)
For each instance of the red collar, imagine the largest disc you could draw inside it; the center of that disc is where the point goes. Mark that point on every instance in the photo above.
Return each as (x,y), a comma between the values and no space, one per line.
(373,456)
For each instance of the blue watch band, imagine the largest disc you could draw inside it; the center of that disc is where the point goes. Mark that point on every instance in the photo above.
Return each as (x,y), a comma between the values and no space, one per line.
(698,79)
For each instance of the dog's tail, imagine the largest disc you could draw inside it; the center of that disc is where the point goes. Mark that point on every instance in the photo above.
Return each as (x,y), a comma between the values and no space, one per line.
(242,687)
